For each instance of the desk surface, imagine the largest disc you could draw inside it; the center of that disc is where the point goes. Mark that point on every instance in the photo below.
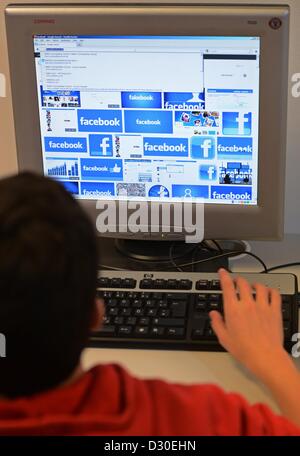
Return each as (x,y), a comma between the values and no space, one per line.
(205,367)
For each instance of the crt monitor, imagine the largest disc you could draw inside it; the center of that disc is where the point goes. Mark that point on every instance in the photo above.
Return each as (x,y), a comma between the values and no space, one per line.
(165,103)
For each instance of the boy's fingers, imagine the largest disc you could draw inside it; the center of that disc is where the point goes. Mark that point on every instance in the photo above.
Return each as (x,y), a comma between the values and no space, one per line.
(244,288)
(262,294)
(218,325)
(227,284)
(275,299)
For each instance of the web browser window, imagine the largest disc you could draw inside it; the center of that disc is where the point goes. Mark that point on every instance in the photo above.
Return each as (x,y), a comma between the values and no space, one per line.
(150,117)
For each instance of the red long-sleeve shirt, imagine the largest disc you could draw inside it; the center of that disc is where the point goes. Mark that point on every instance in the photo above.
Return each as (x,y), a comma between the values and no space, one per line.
(109,401)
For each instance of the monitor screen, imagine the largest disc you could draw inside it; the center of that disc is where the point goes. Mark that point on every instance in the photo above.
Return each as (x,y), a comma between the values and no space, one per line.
(150,117)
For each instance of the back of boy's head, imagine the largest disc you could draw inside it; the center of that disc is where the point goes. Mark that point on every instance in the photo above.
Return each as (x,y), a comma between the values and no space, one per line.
(48,264)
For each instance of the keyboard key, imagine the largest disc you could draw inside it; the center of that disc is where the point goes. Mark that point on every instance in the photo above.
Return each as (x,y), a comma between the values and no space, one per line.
(286,310)
(286,330)
(200,306)
(103,282)
(210,332)
(126,312)
(131,321)
(215,285)
(107,331)
(124,303)
(159,283)
(144,295)
(181,296)
(138,312)
(144,321)
(119,294)
(202,285)
(125,330)
(119,320)
(115,283)
(157,295)
(113,311)
(177,333)
(202,297)
(107,294)
(199,325)
(178,308)
(159,332)
(152,312)
(197,334)
(171,284)
(161,304)
(213,305)
(129,283)
(168,322)
(214,297)
(137,303)
(164,313)
(141,330)
(146,283)
(185,284)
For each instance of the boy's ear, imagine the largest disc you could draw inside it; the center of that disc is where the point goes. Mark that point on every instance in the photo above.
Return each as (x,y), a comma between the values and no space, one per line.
(98,315)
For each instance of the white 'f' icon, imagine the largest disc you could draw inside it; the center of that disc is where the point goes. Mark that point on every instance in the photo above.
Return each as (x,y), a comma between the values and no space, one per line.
(206,146)
(104,145)
(241,121)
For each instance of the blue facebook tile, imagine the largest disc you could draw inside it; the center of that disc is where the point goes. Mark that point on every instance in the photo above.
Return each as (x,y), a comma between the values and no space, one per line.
(101,145)
(237,123)
(101,169)
(141,100)
(137,121)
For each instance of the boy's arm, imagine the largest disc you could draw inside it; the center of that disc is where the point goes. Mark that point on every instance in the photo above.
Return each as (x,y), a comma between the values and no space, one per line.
(251,331)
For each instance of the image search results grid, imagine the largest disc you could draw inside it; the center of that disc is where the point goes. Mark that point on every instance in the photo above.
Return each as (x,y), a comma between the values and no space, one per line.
(150,118)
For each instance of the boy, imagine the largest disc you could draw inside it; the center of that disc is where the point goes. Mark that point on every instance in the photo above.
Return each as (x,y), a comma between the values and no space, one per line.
(48,263)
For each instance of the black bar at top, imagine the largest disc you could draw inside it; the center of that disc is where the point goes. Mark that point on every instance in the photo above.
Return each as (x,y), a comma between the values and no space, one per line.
(229,57)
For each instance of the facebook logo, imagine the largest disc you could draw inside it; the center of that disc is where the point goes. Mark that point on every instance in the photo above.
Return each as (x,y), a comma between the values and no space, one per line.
(208,172)
(101,145)
(97,190)
(190,191)
(237,123)
(146,100)
(167,147)
(137,121)
(65,144)
(101,120)
(232,193)
(233,147)
(101,169)
(203,147)
(184,100)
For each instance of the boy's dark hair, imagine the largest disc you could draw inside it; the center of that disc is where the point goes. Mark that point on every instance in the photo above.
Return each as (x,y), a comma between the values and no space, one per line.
(48,266)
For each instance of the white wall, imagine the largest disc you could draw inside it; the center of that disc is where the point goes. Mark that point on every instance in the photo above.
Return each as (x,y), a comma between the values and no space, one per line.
(292,218)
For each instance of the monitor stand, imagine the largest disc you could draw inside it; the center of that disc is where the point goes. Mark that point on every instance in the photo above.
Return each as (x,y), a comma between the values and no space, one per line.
(155,255)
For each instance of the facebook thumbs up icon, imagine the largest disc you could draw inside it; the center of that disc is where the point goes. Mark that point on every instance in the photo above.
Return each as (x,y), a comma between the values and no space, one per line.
(116,169)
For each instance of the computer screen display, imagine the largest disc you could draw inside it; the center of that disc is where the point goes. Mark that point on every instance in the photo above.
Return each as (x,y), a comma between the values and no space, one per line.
(150,117)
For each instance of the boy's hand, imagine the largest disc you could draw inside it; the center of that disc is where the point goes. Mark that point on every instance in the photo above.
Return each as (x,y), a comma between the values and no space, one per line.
(251,329)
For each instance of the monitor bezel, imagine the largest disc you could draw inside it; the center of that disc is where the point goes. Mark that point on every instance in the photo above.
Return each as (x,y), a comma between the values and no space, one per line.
(264,221)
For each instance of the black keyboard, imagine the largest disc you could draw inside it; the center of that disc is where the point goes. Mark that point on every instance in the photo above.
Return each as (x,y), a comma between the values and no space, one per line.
(169,310)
